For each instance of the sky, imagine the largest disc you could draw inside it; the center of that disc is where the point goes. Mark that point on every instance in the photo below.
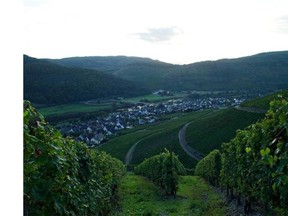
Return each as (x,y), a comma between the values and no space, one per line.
(174,31)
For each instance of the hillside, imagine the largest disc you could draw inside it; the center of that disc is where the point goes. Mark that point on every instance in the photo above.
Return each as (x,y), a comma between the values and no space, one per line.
(48,83)
(262,72)
(263,102)
(207,131)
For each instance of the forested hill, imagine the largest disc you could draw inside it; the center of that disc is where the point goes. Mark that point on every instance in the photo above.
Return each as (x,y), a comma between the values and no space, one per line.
(48,83)
(102,63)
(261,72)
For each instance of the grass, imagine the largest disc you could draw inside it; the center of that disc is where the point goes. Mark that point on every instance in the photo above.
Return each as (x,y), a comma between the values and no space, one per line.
(73,108)
(139,196)
(220,126)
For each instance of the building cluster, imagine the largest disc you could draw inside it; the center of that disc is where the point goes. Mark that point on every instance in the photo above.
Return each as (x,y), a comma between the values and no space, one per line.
(96,131)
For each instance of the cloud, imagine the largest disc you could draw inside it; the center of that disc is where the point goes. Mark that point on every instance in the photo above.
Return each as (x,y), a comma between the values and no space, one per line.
(159,34)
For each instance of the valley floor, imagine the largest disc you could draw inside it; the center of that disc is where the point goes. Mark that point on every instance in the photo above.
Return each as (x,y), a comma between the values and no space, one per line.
(139,196)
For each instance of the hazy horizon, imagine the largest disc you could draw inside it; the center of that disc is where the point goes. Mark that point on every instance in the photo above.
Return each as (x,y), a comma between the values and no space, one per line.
(177,32)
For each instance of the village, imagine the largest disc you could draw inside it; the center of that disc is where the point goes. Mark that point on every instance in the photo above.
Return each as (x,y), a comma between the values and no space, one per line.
(97,131)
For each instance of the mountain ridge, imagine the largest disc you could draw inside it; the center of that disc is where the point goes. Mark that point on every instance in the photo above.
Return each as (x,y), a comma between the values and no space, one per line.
(264,71)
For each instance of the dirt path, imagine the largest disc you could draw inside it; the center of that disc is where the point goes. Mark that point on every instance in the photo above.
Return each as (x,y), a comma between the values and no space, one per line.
(182,140)
(129,154)
(251,109)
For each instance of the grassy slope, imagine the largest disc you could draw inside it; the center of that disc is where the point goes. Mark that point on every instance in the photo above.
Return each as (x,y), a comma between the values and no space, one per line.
(263,102)
(212,130)
(139,196)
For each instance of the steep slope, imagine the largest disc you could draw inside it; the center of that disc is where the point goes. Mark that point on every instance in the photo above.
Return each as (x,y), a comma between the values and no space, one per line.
(48,83)
(263,102)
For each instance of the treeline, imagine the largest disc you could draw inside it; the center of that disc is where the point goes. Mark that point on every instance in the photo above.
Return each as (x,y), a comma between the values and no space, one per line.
(254,164)
(64,177)
(48,83)
(164,170)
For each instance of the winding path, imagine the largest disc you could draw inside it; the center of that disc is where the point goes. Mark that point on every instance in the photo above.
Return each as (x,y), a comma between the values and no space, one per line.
(251,109)
(129,154)
(182,140)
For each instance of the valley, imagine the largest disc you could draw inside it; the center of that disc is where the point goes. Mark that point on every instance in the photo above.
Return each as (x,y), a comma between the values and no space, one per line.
(108,116)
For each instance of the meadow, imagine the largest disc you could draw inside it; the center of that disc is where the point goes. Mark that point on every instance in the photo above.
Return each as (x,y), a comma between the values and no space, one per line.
(154,98)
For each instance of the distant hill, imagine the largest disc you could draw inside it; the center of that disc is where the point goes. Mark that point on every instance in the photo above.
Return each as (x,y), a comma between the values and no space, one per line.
(101,63)
(49,83)
(261,72)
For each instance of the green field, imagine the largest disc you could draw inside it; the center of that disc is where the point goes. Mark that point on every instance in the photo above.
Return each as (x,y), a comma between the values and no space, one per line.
(67,112)
(73,108)
(154,98)
(139,196)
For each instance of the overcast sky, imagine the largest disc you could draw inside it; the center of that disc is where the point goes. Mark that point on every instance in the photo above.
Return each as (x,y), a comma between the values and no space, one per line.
(175,31)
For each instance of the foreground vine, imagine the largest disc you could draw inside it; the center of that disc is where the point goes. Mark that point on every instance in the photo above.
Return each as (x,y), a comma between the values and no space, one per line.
(65,177)
(163,169)
(255,163)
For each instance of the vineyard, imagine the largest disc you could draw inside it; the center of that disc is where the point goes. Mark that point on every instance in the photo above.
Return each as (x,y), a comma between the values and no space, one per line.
(163,169)
(64,177)
(255,163)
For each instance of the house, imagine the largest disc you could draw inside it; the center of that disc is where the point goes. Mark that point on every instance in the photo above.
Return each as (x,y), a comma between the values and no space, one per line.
(119,126)
(97,139)
(89,130)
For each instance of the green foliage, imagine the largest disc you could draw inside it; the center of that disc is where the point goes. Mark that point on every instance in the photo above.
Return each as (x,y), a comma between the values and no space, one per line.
(163,169)
(262,72)
(255,162)
(48,83)
(209,167)
(64,177)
